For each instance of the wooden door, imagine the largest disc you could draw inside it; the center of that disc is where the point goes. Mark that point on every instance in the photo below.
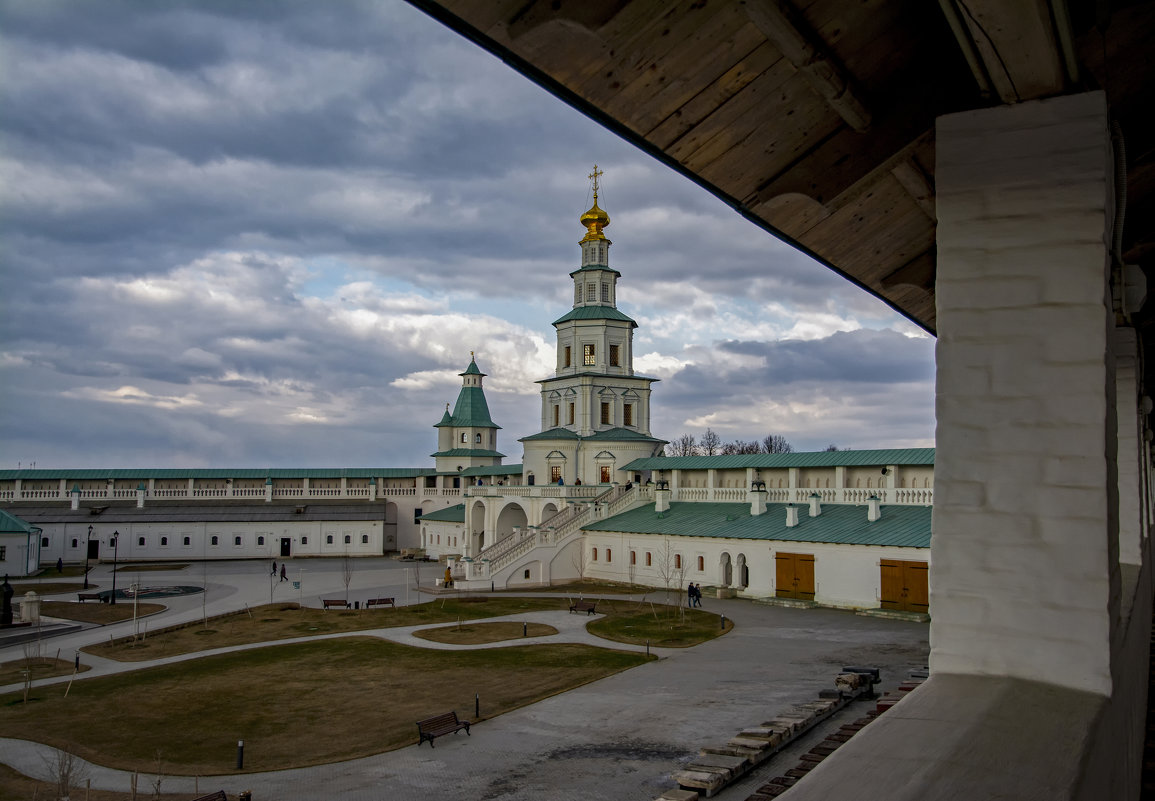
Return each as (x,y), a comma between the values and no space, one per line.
(905,585)
(794,575)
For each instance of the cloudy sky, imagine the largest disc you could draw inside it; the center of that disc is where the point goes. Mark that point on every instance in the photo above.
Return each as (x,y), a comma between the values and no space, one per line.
(270,234)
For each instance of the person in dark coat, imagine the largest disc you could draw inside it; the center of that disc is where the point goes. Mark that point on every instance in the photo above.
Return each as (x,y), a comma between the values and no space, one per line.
(283,576)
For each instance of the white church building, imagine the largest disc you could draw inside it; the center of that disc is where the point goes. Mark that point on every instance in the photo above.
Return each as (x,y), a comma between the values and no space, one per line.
(594,497)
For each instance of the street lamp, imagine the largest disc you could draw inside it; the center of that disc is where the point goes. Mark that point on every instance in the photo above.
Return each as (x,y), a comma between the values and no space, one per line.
(87,551)
(115,544)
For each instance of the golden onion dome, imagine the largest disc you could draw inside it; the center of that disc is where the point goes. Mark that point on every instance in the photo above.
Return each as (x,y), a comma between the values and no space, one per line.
(594,220)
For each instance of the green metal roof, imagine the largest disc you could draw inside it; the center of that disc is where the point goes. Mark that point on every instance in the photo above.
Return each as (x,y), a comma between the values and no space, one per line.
(899,526)
(583,374)
(465,452)
(592,267)
(471,410)
(12,524)
(609,435)
(454,514)
(89,474)
(867,458)
(494,470)
(595,313)
(472,369)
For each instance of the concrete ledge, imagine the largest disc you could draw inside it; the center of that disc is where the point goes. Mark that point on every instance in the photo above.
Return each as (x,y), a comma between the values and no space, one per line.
(958,738)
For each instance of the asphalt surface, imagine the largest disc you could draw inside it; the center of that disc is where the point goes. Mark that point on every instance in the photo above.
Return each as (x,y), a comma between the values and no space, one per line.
(619,738)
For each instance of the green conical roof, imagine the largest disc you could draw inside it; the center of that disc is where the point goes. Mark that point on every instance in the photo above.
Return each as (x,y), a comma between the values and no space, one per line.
(446,420)
(472,368)
(471,409)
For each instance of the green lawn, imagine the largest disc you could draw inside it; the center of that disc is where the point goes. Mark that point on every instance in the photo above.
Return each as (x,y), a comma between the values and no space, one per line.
(293,705)
(661,626)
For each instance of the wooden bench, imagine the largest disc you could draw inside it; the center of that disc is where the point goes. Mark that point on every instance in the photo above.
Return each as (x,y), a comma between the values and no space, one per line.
(340,604)
(380,602)
(442,724)
(219,795)
(88,596)
(583,606)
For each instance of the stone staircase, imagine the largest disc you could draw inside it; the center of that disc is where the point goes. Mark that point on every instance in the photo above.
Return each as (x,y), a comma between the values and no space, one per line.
(557,532)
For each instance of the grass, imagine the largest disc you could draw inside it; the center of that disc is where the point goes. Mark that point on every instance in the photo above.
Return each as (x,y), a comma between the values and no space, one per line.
(661,626)
(69,571)
(91,612)
(294,705)
(286,620)
(148,567)
(589,586)
(15,785)
(42,668)
(481,633)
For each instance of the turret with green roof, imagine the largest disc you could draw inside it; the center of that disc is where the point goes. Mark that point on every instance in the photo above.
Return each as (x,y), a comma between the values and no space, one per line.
(467,437)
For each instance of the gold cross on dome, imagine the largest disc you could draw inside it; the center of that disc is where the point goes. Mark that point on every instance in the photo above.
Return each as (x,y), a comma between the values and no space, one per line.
(593,176)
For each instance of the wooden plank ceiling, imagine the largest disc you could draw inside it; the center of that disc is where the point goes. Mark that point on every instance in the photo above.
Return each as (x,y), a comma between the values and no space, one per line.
(815,118)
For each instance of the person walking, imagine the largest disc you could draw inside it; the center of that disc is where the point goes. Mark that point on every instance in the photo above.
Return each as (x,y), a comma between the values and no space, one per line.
(690,595)
(698,595)
(283,576)
(274,570)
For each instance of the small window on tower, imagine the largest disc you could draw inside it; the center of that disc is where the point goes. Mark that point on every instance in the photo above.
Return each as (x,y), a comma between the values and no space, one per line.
(477,439)
(605,293)
(628,414)
(591,292)
(566,357)
(555,414)
(577,293)
(605,414)
(590,355)
(615,355)
(569,414)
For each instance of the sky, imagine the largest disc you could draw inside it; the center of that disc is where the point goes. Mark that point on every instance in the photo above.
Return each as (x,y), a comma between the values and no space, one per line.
(269,234)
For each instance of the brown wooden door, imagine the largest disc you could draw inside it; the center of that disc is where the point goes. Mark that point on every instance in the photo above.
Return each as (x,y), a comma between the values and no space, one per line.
(794,575)
(905,585)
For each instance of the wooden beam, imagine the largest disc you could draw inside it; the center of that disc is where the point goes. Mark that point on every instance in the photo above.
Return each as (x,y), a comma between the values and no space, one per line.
(783,26)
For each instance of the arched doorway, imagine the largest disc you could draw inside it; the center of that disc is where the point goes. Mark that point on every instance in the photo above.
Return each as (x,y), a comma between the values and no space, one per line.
(511,515)
(477,527)
(726,572)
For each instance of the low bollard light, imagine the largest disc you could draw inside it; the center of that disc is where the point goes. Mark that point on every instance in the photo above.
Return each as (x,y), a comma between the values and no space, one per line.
(240,754)
(722,621)
(476,707)
(524,629)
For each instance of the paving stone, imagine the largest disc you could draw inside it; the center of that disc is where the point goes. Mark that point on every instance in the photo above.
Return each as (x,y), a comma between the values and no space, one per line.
(825,750)
(753,743)
(732,765)
(785,781)
(733,750)
(679,795)
(701,780)
(800,771)
(812,757)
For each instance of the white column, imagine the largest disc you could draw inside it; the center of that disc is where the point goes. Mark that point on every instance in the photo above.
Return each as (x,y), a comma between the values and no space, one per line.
(1024,526)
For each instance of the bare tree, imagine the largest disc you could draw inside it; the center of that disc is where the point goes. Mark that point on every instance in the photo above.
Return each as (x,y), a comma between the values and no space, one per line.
(684,445)
(578,558)
(711,443)
(831,447)
(67,771)
(346,572)
(159,778)
(776,443)
(667,571)
(741,446)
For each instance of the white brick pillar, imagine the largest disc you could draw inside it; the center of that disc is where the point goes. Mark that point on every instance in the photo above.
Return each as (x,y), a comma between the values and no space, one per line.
(1024,545)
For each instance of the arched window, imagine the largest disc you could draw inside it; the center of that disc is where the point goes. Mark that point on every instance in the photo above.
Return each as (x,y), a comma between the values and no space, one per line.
(348,539)
(328,539)
(215,540)
(477,438)
(609,555)
(140,541)
(595,554)
(649,559)
(364,539)
(633,557)
(677,561)
(75,542)
(164,540)
(463,438)
(188,541)
(260,540)
(304,540)
(236,540)
(701,563)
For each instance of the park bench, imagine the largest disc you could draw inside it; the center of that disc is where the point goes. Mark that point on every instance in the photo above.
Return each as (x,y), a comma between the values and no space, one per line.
(380,602)
(88,596)
(442,724)
(219,795)
(583,606)
(341,604)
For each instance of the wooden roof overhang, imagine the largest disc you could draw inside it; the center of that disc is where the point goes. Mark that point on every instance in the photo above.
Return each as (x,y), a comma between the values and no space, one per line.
(815,119)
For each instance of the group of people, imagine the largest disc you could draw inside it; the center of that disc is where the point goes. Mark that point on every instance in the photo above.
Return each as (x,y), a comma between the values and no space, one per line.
(695,594)
(283,576)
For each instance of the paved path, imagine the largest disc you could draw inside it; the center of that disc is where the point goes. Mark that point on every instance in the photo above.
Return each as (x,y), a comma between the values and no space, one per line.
(618,738)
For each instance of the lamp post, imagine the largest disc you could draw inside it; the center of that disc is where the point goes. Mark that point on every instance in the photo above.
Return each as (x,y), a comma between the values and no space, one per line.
(87,551)
(115,547)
